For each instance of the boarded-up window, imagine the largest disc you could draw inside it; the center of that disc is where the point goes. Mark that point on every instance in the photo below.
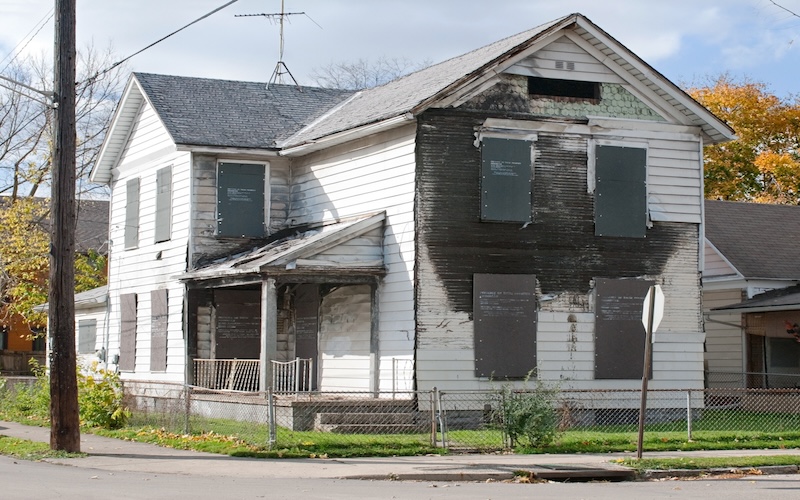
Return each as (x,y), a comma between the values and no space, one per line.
(505,180)
(619,334)
(240,200)
(238,324)
(620,199)
(163,227)
(87,336)
(132,214)
(158,330)
(504,312)
(127,340)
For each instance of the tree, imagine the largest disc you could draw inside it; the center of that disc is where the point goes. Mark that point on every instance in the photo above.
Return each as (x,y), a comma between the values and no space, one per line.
(26,124)
(363,73)
(763,163)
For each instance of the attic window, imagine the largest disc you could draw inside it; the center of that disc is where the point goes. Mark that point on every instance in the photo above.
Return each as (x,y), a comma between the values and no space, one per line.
(563,89)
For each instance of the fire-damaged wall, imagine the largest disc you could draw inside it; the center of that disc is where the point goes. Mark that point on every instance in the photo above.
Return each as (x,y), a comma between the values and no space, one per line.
(558,246)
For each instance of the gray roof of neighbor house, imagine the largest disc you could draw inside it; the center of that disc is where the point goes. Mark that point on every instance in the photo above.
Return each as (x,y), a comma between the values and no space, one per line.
(91,229)
(759,240)
(782,299)
(225,113)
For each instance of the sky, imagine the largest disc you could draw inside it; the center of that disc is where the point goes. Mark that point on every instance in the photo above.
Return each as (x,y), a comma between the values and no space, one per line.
(688,41)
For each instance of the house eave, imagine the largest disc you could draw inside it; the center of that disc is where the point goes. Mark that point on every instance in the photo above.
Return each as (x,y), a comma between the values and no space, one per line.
(347,135)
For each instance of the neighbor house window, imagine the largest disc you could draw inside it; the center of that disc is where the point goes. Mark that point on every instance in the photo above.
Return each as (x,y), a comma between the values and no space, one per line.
(127,340)
(504,313)
(241,200)
(158,330)
(555,88)
(163,227)
(620,194)
(87,336)
(132,213)
(506,180)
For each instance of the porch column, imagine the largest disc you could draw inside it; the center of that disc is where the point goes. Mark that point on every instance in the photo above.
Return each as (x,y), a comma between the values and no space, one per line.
(269,332)
(374,342)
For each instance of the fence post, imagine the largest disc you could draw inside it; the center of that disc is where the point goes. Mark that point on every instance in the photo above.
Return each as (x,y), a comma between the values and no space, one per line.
(441,418)
(689,414)
(187,399)
(271,416)
(434,412)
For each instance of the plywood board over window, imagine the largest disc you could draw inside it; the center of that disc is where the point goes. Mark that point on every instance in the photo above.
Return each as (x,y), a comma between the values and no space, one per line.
(240,200)
(619,334)
(620,191)
(87,336)
(163,227)
(504,311)
(127,343)
(132,213)
(505,180)
(158,330)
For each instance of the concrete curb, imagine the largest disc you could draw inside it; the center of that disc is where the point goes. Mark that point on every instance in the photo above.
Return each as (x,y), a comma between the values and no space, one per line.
(755,471)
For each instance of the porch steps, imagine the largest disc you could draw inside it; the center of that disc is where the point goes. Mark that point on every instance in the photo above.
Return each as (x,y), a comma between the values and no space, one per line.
(370,423)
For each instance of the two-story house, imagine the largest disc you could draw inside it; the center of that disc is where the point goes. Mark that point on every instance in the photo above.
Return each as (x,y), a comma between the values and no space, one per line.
(498,214)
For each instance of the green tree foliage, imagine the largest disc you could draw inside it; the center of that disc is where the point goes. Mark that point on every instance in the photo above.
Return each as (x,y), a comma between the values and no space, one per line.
(24,231)
(763,163)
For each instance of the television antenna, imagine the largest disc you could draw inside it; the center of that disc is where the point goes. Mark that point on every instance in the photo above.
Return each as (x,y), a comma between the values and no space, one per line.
(280,68)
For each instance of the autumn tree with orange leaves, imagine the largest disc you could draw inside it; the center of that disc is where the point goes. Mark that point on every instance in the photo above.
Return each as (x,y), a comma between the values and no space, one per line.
(763,163)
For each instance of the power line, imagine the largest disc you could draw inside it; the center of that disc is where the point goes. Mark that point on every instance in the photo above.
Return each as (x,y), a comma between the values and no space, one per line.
(14,52)
(122,61)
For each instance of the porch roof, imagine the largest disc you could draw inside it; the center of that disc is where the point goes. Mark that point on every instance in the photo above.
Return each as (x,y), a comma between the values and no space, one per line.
(305,251)
(783,299)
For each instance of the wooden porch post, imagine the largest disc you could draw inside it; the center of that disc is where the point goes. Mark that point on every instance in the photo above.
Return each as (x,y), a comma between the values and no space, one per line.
(374,342)
(269,332)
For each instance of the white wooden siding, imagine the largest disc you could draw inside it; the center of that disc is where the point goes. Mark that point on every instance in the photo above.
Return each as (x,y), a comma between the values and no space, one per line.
(714,264)
(555,59)
(369,175)
(344,339)
(724,341)
(150,265)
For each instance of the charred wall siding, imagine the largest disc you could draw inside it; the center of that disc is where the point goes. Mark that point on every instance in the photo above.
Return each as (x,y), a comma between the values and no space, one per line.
(559,246)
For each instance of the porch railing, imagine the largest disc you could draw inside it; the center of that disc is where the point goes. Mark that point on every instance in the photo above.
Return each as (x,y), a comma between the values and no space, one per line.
(227,374)
(292,376)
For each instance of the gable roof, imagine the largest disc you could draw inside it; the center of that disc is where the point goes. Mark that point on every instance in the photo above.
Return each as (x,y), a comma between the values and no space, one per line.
(223,113)
(440,83)
(759,240)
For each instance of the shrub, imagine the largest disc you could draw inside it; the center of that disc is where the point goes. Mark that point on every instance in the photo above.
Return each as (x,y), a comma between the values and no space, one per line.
(527,416)
(100,399)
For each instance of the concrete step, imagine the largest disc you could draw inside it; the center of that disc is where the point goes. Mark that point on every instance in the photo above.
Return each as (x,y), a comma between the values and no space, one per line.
(366,418)
(373,428)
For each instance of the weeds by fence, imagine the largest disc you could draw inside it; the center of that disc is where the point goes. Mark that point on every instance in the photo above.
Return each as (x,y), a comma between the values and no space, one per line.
(459,420)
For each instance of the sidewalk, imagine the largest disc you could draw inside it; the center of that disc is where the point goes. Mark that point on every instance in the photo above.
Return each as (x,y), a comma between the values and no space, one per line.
(110,454)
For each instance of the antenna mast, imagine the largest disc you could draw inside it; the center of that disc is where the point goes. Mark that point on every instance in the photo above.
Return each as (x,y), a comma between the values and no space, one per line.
(280,68)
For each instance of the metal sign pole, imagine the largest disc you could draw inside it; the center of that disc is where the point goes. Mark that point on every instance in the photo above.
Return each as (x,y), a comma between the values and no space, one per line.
(646,374)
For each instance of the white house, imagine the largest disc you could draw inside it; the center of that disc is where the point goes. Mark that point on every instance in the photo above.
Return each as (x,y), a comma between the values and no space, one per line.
(500,212)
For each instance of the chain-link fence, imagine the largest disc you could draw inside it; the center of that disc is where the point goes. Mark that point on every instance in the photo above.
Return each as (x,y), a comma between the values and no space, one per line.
(456,420)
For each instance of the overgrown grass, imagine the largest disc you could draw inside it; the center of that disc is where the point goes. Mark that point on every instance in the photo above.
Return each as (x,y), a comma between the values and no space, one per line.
(225,439)
(30,450)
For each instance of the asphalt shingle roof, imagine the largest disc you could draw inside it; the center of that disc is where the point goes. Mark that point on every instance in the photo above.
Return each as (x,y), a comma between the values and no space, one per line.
(225,113)
(760,240)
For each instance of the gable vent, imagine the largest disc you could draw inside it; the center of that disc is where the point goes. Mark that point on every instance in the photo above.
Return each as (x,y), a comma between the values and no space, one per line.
(568,65)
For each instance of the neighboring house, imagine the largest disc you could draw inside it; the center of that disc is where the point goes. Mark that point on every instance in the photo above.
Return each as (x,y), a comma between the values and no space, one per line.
(499,214)
(18,342)
(752,264)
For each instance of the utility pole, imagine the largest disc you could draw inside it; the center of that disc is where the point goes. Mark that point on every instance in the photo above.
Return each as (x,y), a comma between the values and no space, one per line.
(64,419)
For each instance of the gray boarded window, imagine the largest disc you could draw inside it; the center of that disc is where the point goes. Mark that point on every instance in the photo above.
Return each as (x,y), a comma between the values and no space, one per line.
(163,204)
(87,336)
(158,330)
(504,312)
(620,199)
(505,180)
(132,213)
(127,341)
(240,200)
(619,334)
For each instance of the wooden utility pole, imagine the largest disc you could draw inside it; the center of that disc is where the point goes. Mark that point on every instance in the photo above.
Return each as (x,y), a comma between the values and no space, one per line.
(64,419)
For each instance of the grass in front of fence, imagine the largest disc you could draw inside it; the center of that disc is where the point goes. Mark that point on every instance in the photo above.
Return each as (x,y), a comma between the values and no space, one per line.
(245,439)
(704,463)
